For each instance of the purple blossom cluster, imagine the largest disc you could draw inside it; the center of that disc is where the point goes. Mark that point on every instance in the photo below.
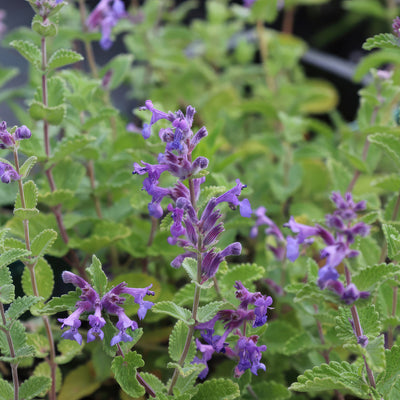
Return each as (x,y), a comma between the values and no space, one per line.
(246,349)
(44,7)
(337,248)
(396,26)
(110,303)
(197,235)
(105,16)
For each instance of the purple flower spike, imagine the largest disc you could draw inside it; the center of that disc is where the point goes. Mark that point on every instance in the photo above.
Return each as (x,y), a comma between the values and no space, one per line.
(396,26)
(250,355)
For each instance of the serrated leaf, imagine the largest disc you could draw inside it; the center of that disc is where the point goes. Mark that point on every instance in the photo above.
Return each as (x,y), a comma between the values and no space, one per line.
(26,213)
(392,237)
(299,343)
(30,196)
(70,146)
(375,353)
(273,390)
(42,242)
(333,376)
(53,115)
(245,273)
(59,196)
(172,309)
(58,304)
(370,278)
(188,370)
(390,143)
(33,386)
(184,296)
(79,383)
(369,319)
(27,166)
(207,312)
(62,57)
(18,336)
(119,66)
(9,256)
(40,343)
(43,29)
(5,275)
(124,369)
(340,175)
(7,293)
(153,382)
(177,341)
(6,390)
(19,306)
(68,349)
(98,277)
(29,51)
(388,182)
(388,382)
(217,389)
(382,41)
(190,266)
(21,353)
(43,369)
(44,279)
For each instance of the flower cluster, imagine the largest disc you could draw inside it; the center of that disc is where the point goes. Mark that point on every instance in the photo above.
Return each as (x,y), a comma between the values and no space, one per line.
(337,245)
(280,249)
(106,15)
(110,303)
(246,349)
(45,7)
(197,235)
(396,26)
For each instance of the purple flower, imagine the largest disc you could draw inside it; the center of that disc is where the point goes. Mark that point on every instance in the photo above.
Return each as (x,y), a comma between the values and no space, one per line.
(396,26)
(248,3)
(207,351)
(8,140)
(231,197)
(249,355)
(8,173)
(106,15)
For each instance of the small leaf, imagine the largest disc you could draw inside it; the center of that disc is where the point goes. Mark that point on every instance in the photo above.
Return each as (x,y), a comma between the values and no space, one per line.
(43,369)
(33,387)
(7,293)
(58,304)
(26,213)
(392,236)
(43,29)
(388,382)
(246,273)
(370,278)
(66,197)
(53,115)
(188,370)
(388,182)
(30,51)
(299,343)
(382,41)
(177,341)
(19,306)
(62,57)
(68,349)
(153,382)
(40,343)
(98,277)
(27,166)
(390,143)
(217,389)
(190,266)
(330,377)
(124,369)
(8,257)
(42,242)
(172,309)
(207,312)
(30,195)
(44,279)
(276,391)
(6,390)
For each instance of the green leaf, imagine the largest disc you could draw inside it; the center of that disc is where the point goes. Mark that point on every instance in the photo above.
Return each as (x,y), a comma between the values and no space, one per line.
(271,389)
(7,293)
(27,166)
(62,57)
(299,343)
(388,182)
(6,390)
(5,276)
(188,370)
(30,195)
(172,309)
(79,383)
(40,344)
(340,376)
(44,279)
(58,304)
(375,353)
(26,213)
(29,51)
(124,369)
(120,67)
(207,312)
(66,197)
(70,146)
(388,382)
(8,257)
(47,29)
(339,174)
(389,143)
(43,369)
(392,237)
(97,276)
(153,382)
(68,349)
(190,266)
(33,387)
(18,335)
(177,341)
(19,306)
(246,273)
(42,242)
(382,41)
(217,389)
(370,278)
(369,319)
(53,115)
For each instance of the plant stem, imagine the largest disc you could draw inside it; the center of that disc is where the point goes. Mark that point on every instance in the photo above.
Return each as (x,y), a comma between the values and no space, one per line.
(196,300)
(288,20)
(14,366)
(31,268)
(263,47)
